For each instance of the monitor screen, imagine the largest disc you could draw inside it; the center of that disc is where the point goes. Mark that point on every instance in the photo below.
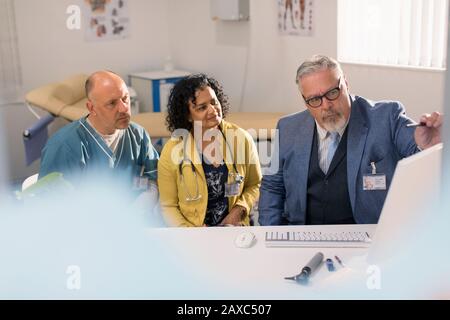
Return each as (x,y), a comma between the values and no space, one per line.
(414,191)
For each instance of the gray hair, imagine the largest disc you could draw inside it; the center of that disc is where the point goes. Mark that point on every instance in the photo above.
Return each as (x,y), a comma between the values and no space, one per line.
(317,63)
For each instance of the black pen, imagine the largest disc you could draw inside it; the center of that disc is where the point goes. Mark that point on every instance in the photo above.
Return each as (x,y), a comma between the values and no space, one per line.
(340,261)
(420,124)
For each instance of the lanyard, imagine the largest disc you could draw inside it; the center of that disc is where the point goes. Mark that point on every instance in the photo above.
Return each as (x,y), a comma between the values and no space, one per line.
(238,177)
(231,151)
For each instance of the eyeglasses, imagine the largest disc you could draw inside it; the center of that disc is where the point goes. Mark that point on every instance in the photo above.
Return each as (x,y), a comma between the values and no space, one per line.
(331,95)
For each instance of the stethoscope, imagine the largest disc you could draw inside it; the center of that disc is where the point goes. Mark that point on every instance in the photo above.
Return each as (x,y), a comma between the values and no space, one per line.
(189,198)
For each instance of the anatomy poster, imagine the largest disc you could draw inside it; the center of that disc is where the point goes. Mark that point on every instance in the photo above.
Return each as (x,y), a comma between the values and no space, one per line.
(295,17)
(106,19)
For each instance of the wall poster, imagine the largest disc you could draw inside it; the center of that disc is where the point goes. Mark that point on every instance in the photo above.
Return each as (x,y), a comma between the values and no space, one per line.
(295,17)
(106,19)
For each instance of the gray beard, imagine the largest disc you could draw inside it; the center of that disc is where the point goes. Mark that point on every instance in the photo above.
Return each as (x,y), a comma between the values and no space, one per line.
(335,123)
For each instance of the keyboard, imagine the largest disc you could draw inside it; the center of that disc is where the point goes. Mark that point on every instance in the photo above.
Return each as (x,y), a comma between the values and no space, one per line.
(349,239)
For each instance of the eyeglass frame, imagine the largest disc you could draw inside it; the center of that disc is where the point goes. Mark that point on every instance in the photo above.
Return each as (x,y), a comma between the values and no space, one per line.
(338,87)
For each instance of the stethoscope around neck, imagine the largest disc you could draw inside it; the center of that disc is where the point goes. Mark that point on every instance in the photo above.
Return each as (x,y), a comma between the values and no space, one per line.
(197,196)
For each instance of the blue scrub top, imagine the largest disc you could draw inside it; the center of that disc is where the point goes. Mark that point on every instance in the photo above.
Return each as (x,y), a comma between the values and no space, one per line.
(77,149)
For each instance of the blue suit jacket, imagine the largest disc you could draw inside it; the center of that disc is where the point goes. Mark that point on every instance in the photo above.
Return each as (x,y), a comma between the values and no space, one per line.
(377,133)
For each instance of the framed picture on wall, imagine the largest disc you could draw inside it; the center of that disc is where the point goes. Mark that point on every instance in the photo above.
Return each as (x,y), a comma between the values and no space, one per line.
(295,17)
(106,19)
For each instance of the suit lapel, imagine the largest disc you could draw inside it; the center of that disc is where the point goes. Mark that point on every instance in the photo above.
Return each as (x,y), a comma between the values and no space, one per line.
(339,155)
(357,134)
(303,145)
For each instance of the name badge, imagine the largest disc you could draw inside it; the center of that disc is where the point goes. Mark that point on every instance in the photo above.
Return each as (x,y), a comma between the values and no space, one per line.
(374,182)
(231,189)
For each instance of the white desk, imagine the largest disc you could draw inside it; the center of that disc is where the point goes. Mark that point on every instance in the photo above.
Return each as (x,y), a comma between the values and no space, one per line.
(220,270)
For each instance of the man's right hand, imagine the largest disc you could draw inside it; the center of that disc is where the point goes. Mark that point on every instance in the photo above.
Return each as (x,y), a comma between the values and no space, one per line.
(430,134)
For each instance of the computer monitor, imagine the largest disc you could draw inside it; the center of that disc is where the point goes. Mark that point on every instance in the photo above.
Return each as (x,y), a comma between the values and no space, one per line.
(412,200)
(3,160)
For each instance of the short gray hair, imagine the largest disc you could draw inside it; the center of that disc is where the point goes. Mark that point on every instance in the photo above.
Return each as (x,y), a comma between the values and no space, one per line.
(317,63)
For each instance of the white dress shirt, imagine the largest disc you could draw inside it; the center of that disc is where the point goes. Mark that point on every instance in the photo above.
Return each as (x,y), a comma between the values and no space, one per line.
(325,141)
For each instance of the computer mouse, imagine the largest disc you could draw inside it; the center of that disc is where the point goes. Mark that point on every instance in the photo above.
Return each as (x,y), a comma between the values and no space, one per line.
(245,239)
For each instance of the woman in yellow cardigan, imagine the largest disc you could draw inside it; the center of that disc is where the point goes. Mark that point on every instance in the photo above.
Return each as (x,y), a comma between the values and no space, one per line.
(209,172)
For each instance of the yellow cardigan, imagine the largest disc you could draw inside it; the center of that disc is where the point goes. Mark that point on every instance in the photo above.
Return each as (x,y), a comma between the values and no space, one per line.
(178,212)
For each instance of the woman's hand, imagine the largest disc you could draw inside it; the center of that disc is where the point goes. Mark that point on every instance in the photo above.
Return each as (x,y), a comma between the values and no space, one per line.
(235,217)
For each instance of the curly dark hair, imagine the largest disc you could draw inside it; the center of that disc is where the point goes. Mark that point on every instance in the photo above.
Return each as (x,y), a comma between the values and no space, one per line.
(183,92)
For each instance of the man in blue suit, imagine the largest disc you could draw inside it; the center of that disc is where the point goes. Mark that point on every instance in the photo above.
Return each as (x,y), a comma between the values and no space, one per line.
(336,159)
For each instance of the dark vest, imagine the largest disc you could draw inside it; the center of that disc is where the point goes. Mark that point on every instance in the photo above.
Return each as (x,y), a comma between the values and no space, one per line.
(328,201)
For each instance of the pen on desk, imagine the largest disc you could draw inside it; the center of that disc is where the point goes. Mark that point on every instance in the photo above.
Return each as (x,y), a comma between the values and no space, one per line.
(339,261)
(420,124)
(330,265)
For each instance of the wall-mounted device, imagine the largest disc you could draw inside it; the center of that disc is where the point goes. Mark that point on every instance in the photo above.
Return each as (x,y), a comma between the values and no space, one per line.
(230,10)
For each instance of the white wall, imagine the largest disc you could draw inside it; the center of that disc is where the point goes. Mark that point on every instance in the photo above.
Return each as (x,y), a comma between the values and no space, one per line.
(50,52)
(221,49)
(419,90)
(229,50)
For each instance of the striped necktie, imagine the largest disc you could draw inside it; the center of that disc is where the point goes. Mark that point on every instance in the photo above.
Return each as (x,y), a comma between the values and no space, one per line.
(334,142)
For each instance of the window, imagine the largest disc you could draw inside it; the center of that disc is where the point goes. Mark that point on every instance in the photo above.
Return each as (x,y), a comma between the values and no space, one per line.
(393,32)
(10,73)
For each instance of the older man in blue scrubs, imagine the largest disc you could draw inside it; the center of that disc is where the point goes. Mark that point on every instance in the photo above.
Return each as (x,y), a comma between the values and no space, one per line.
(105,142)
(337,159)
